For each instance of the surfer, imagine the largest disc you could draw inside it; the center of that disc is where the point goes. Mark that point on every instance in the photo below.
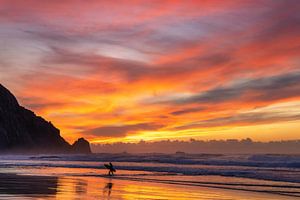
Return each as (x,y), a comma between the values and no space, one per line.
(111,169)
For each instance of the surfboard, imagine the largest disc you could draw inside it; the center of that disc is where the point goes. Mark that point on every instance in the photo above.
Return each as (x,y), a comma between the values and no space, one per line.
(107,166)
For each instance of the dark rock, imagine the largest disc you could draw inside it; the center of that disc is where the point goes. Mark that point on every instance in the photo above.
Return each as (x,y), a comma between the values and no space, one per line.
(22,131)
(81,146)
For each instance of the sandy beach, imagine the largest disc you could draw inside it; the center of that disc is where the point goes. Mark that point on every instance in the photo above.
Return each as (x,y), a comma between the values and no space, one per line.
(68,183)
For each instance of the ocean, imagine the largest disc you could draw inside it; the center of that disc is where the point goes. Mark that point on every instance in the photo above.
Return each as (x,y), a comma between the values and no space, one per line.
(194,176)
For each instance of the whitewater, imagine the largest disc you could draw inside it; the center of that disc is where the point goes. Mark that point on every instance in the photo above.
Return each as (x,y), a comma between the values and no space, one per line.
(262,173)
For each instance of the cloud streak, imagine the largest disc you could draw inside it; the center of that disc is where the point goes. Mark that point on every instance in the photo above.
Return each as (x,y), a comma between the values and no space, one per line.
(263,89)
(150,67)
(243,119)
(123,130)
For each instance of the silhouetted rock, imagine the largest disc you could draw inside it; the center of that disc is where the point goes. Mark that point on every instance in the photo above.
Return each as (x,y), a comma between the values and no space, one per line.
(81,146)
(22,131)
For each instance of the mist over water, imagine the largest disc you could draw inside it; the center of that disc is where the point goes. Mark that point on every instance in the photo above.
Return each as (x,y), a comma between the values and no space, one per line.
(230,146)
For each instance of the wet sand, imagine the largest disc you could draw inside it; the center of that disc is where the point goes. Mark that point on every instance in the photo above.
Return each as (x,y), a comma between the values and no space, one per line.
(59,183)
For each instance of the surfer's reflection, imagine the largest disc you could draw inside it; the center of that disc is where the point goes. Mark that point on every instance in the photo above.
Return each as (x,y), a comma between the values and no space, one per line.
(107,189)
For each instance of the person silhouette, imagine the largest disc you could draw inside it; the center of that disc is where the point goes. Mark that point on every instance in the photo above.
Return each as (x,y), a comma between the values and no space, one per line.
(111,169)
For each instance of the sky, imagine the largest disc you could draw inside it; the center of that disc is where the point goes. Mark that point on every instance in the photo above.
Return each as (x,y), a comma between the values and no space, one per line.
(125,71)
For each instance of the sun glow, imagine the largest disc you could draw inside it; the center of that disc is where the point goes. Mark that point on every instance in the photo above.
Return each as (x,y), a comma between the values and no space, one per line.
(161,71)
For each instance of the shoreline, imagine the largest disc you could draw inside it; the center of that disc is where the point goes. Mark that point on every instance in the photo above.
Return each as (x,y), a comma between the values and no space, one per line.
(44,184)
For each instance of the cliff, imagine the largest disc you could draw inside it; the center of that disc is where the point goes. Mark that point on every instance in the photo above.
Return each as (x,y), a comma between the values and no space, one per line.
(22,131)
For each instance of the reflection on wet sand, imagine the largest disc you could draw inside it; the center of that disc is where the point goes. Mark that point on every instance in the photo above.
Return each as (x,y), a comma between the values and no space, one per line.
(28,186)
(107,189)
(68,187)
(81,186)
(115,189)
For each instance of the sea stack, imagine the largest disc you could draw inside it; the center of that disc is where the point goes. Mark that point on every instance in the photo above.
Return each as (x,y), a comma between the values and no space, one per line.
(22,131)
(81,146)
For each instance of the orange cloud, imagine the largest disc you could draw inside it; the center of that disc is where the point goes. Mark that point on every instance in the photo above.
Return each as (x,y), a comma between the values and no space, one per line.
(131,70)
